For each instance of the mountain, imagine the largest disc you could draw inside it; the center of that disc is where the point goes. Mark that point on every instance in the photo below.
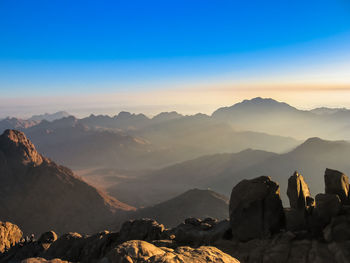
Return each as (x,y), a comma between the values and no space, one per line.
(166,116)
(193,203)
(37,194)
(273,117)
(14,123)
(133,141)
(220,171)
(171,181)
(49,117)
(74,144)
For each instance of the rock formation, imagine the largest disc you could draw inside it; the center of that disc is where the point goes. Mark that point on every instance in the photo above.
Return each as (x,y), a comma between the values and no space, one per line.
(10,234)
(337,183)
(298,192)
(141,251)
(256,209)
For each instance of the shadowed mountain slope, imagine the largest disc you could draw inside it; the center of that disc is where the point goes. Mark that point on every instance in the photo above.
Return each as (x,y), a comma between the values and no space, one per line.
(220,171)
(193,203)
(37,194)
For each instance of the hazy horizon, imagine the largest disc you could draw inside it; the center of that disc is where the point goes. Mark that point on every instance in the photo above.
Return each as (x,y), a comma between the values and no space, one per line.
(156,56)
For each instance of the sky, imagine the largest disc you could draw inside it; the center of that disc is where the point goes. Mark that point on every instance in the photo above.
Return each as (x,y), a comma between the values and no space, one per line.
(190,56)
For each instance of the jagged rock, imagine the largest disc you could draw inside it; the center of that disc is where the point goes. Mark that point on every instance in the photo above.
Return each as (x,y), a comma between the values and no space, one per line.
(141,229)
(338,229)
(256,209)
(298,192)
(10,235)
(137,251)
(337,183)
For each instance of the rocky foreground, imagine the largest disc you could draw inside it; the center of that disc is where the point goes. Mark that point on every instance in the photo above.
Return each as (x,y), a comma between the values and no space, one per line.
(259,230)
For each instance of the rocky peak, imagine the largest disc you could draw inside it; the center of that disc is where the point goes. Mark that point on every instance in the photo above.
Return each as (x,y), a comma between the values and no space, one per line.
(16,146)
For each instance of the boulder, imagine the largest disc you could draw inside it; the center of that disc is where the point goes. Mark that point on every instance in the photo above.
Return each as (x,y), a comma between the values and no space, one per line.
(337,183)
(256,209)
(140,251)
(298,192)
(327,206)
(10,235)
(295,219)
(141,229)
(202,233)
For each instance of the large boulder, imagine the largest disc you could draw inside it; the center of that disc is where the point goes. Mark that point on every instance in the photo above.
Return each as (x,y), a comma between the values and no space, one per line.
(196,232)
(298,192)
(256,209)
(141,229)
(327,206)
(137,251)
(10,235)
(337,183)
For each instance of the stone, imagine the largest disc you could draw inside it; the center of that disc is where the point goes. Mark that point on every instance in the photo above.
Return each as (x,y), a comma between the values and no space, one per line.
(298,192)
(141,229)
(337,183)
(196,235)
(256,209)
(10,235)
(295,219)
(141,251)
(327,206)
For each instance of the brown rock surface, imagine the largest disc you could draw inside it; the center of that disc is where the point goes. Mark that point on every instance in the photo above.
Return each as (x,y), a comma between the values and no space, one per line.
(337,183)
(137,251)
(10,235)
(298,192)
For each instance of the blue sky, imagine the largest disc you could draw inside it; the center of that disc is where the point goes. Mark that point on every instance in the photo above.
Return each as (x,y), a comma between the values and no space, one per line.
(66,48)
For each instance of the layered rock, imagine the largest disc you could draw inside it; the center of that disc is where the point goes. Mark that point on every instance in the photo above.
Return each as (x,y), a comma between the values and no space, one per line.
(256,209)
(337,183)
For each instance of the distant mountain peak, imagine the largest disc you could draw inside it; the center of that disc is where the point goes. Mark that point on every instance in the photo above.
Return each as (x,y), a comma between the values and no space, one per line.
(256,105)
(50,116)
(15,144)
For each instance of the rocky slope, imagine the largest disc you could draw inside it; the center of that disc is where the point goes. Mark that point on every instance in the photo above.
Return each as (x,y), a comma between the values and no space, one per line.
(37,194)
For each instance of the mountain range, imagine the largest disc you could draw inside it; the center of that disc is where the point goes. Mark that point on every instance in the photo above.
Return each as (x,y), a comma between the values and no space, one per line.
(38,194)
(219,172)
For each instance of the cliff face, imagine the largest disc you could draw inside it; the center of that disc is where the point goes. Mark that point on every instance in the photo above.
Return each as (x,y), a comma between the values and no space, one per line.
(37,194)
